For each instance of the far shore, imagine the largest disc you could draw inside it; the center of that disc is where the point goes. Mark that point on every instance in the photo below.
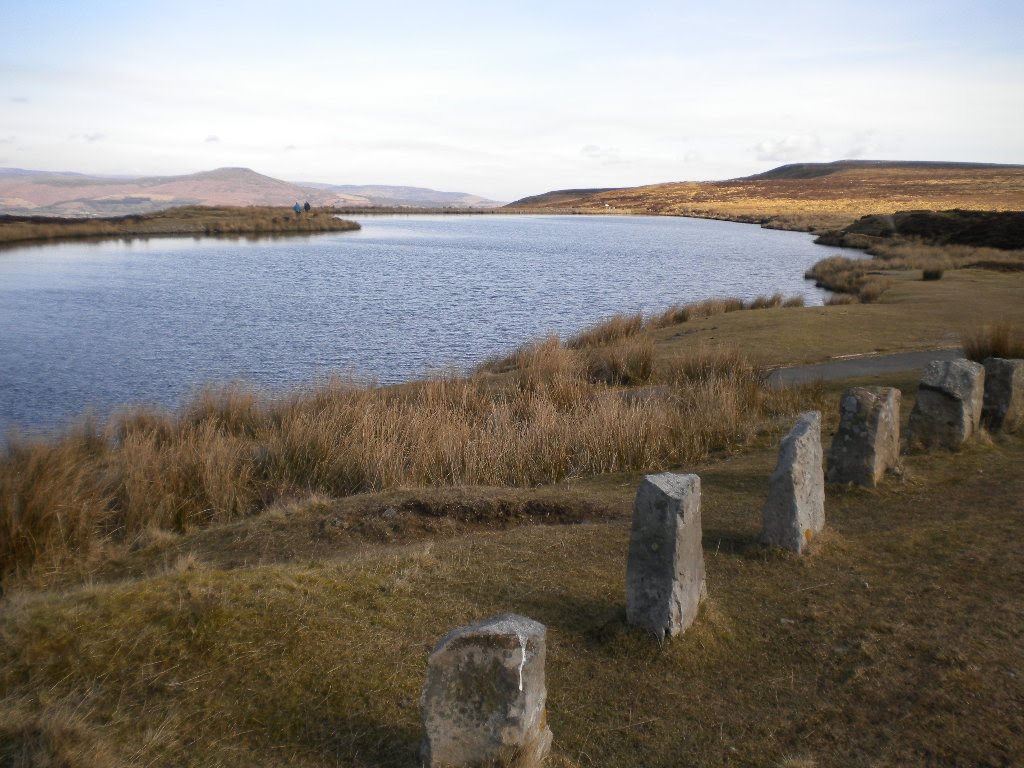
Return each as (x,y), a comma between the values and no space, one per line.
(190,221)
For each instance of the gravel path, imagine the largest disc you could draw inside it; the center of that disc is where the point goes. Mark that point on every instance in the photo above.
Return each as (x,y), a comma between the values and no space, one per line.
(867,365)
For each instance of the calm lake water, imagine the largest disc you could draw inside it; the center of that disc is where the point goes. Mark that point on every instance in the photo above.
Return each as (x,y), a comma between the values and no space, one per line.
(98,325)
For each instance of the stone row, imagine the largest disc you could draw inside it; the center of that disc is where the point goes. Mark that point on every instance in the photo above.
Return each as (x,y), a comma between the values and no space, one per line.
(954,399)
(484,701)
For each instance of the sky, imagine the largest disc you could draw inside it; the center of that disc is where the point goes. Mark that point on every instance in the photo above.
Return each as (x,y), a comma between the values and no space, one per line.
(505,99)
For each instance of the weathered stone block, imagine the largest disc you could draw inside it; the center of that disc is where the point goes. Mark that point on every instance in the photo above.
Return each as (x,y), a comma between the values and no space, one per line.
(795,510)
(948,407)
(867,443)
(1003,404)
(483,703)
(665,571)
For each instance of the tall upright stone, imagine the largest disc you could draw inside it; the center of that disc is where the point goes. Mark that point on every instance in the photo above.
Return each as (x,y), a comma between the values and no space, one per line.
(867,443)
(948,408)
(1003,404)
(665,571)
(795,510)
(483,704)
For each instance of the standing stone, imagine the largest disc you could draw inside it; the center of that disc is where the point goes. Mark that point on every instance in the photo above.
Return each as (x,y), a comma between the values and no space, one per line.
(795,510)
(665,571)
(1003,405)
(948,407)
(483,704)
(867,443)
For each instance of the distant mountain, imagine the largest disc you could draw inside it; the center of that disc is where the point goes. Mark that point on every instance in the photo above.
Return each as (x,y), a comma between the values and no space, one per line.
(416,197)
(74,194)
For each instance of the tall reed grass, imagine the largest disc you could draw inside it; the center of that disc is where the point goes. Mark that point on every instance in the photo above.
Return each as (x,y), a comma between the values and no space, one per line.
(230,452)
(995,340)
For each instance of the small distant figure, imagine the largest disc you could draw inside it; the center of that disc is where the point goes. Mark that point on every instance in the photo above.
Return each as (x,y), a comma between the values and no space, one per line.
(297,208)
(306,207)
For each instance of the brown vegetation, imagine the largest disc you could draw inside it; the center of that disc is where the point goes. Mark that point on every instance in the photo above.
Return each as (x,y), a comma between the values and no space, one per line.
(996,340)
(190,221)
(853,275)
(816,196)
(230,453)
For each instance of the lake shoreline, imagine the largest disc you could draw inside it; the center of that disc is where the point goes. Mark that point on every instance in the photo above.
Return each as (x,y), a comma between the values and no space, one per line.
(190,221)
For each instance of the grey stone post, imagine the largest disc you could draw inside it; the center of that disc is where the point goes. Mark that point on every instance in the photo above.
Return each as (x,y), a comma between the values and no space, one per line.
(948,408)
(1003,405)
(867,443)
(795,510)
(665,571)
(483,703)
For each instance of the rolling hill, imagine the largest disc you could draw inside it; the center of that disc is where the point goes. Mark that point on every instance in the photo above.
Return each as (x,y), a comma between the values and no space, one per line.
(811,196)
(45,193)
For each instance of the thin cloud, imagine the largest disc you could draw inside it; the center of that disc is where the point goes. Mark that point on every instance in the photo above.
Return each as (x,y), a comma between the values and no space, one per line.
(790,148)
(90,138)
(19,100)
(864,145)
(211,140)
(290,148)
(8,140)
(603,155)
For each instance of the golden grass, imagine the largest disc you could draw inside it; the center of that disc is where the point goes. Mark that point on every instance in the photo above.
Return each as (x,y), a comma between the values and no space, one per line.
(188,221)
(840,299)
(995,340)
(846,275)
(614,328)
(828,201)
(230,453)
(609,350)
(629,362)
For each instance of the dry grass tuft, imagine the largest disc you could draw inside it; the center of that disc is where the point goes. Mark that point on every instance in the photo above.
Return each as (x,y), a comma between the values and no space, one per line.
(629,362)
(764,302)
(995,340)
(696,311)
(872,289)
(839,299)
(230,453)
(613,329)
(55,739)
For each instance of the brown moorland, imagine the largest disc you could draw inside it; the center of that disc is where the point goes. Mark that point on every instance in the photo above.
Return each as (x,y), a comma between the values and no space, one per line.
(812,196)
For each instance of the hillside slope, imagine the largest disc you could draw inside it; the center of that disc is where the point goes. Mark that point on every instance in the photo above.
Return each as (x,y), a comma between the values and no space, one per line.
(43,193)
(813,195)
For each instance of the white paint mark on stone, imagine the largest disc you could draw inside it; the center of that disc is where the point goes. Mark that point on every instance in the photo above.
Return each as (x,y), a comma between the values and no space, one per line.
(522,662)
